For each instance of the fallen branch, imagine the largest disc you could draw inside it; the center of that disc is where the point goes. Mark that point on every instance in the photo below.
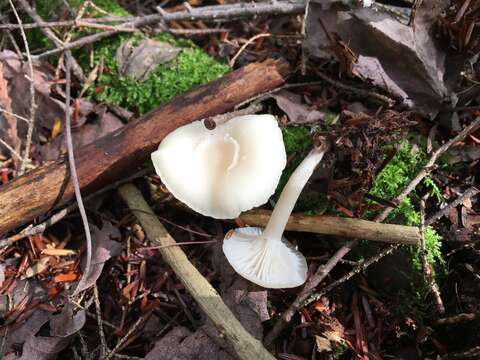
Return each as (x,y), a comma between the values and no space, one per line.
(339,226)
(206,296)
(214,12)
(121,152)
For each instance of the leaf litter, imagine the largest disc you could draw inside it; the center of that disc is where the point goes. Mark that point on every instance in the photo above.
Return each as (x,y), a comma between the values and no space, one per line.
(407,62)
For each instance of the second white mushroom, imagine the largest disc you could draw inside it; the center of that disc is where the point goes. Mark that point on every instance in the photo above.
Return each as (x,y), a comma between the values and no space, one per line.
(265,257)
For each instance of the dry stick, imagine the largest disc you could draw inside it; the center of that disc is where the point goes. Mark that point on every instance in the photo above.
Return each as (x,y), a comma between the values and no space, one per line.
(287,315)
(124,339)
(244,46)
(426,267)
(98,313)
(339,226)
(359,268)
(214,121)
(33,106)
(245,346)
(56,217)
(9,148)
(469,193)
(214,12)
(77,70)
(14,115)
(73,172)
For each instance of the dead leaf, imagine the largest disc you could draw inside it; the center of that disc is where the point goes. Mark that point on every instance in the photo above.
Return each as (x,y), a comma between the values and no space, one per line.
(8,123)
(48,109)
(105,123)
(68,322)
(43,347)
(137,62)
(297,112)
(104,247)
(403,60)
(181,344)
(40,266)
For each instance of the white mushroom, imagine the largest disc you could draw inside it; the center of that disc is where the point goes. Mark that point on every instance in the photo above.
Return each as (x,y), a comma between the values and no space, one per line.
(224,171)
(265,257)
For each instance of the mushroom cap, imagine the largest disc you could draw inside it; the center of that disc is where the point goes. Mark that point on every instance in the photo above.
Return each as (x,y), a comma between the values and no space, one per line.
(271,263)
(224,171)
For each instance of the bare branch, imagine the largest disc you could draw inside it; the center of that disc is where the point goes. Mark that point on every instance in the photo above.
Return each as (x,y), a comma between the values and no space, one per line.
(33,106)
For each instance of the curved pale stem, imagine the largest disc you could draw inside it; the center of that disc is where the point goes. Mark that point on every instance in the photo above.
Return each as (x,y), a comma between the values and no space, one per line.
(291,192)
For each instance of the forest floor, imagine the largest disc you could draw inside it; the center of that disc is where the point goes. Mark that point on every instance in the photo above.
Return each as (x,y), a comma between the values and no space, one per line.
(394,86)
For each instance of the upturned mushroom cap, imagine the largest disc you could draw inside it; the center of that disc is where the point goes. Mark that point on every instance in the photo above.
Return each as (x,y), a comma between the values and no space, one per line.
(267,262)
(224,171)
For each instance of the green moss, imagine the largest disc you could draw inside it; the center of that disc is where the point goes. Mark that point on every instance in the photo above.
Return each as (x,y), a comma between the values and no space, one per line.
(191,67)
(398,173)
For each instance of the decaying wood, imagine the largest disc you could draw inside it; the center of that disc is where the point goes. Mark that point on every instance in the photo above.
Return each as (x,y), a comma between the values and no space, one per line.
(339,226)
(121,152)
(245,345)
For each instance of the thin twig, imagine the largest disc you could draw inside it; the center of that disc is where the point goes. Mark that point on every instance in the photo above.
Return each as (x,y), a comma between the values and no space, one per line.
(214,12)
(15,115)
(33,106)
(178,244)
(214,121)
(73,171)
(98,313)
(426,266)
(122,341)
(363,265)
(469,193)
(244,46)
(9,148)
(365,93)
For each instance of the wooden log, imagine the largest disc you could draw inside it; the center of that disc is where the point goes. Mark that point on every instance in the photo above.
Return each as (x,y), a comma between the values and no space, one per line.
(244,344)
(119,153)
(339,226)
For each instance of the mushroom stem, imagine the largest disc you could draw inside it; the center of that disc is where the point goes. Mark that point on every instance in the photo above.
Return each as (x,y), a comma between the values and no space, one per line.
(290,193)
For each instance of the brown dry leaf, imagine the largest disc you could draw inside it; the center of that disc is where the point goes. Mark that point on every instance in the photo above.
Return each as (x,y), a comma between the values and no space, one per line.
(298,113)
(48,109)
(40,266)
(105,123)
(403,60)
(104,247)
(41,348)
(68,322)
(8,123)
(181,344)
(137,62)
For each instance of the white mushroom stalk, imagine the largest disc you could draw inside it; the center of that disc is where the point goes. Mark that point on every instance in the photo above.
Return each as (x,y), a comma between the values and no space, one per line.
(265,257)
(226,170)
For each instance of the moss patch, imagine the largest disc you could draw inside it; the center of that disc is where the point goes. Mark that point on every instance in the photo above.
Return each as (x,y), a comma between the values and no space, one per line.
(191,67)
(398,173)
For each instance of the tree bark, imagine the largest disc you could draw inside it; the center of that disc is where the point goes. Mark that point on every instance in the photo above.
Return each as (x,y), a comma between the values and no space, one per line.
(119,153)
